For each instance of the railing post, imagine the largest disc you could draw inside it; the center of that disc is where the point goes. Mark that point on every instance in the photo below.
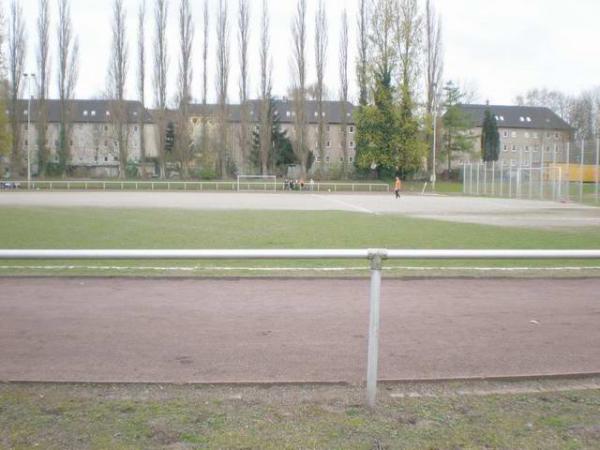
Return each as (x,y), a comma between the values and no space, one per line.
(376,258)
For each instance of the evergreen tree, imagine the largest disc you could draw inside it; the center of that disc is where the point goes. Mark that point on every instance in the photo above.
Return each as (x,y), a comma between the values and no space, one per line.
(282,152)
(490,138)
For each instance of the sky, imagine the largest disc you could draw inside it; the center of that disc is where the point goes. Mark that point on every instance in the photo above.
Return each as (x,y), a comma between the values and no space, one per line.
(497,49)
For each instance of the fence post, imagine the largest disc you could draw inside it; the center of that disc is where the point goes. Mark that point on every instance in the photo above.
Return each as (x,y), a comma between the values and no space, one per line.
(501,174)
(493,178)
(568,171)
(376,258)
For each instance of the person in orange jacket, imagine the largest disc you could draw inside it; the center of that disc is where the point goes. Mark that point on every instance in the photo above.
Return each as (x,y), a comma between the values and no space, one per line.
(397,187)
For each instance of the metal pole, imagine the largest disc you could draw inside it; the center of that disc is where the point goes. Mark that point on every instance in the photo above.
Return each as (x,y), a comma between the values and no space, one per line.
(434,176)
(374,320)
(581,168)
(493,178)
(597,167)
(568,197)
(542,173)
(502,178)
(530,173)
(28,78)
(478,170)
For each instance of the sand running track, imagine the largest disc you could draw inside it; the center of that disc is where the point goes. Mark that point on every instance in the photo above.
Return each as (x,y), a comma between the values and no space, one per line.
(223,331)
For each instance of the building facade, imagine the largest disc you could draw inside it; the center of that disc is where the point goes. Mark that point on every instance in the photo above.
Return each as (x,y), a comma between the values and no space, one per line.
(528,135)
(93,143)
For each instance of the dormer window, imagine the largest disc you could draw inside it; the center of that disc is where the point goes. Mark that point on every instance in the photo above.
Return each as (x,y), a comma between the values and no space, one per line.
(85,113)
(93,113)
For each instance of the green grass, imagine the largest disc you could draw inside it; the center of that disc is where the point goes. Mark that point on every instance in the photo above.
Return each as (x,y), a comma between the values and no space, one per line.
(152,417)
(45,228)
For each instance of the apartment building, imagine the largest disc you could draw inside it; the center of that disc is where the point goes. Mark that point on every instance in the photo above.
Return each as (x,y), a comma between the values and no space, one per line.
(527,134)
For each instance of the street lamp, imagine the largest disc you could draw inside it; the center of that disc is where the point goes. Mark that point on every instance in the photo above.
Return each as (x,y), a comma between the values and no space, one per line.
(29,77)
(434,118)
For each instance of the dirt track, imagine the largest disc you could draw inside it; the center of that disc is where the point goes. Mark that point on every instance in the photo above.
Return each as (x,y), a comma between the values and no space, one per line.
(96,330)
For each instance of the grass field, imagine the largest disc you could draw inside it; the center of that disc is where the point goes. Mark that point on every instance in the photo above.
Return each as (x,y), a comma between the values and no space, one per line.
(46,228)
(156,417)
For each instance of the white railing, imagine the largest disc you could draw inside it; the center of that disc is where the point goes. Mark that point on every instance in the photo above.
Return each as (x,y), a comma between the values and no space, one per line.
(375,256)
(193,186)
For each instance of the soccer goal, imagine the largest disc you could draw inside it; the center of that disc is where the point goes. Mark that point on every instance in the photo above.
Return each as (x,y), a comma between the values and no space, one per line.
(257,183)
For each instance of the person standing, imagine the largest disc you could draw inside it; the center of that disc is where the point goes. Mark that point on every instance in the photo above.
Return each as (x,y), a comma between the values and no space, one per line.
(397,187)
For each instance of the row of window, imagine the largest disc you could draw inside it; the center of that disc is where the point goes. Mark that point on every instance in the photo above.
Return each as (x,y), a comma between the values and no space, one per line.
(328,145)
(328,159)
(527,134)
(536,148)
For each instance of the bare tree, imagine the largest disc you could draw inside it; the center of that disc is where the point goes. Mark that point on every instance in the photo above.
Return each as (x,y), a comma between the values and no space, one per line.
(321,40)
(265,89)
(161,62)
(243,42)
(142,82)
(363,52)
(68,60)
(409,35)
(16,59)
(43,68)
(383,55)
(344,43)
(222,84)
(204,138)
(117,73)
(435,66)
(186,39)
(299,69)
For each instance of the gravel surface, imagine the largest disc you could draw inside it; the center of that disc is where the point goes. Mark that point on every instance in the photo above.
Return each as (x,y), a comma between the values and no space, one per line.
(296,330)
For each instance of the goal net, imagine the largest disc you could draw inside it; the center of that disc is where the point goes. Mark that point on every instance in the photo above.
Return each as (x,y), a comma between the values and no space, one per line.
(256,183)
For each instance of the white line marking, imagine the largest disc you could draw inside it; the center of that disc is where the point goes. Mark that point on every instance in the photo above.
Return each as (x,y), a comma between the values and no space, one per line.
(346,204)
(300,269)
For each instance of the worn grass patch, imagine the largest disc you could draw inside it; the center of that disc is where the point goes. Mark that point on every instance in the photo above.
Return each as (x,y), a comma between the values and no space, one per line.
(149,417)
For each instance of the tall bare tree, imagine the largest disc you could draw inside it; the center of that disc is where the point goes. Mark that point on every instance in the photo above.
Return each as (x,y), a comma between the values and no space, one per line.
(117,73)
(243,42)
(223,84)
(161,62)
(205,38)
(344,43)
(43,69)
(299,69)
(16,60)
(362,66)
(141,47)
(265,89)
(68,71)
(184,132)
(435,66)
(409,34)
(321,40)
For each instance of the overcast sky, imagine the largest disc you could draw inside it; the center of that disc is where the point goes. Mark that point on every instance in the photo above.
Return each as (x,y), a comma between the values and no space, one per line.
(500,48)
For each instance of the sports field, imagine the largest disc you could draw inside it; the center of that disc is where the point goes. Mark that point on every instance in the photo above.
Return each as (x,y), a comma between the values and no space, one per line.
(300,321)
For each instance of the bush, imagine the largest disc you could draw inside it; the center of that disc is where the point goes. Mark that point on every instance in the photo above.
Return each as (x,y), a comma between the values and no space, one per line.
(132,171)
(207,173)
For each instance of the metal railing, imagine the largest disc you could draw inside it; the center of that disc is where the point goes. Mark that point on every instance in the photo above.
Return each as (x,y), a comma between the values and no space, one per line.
(375,256)
(193,186)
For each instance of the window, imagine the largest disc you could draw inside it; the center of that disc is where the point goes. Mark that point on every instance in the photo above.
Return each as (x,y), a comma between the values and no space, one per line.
(351,129)
(527,149)
(526,135)
(327,159)
(529,119)
(501,118)
(85,113)
(547,134)
(555,135)
(536,149)
(514,148)
(351,144)
(548,148)
(328,144)
(93,113)
(26,142)
(135,113)
(316,114)
(522,119)
(505,134)
(506,148)
(106,128)
(535,135)
(106,143)
(135,129)
(287,114)
(106,159)
(351,159)
(25,112)
(513,134)
(107,113)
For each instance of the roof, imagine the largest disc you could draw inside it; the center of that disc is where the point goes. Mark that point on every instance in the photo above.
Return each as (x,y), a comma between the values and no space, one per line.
(333,111)
(530,117)
(82,111)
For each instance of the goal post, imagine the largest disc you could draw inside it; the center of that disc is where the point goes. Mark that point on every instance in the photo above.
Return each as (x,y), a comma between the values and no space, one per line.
(256,183)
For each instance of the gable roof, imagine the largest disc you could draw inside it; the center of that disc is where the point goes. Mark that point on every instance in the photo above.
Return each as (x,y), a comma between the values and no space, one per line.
(529,117)
(333,111)
(82,111)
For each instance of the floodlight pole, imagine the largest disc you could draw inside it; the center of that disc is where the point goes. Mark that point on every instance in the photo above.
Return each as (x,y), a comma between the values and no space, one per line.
(597,168)
(581,169)
(29,77)
(434,162)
